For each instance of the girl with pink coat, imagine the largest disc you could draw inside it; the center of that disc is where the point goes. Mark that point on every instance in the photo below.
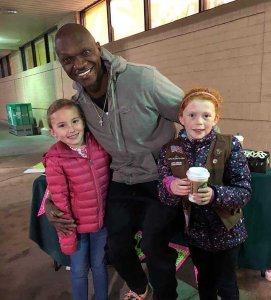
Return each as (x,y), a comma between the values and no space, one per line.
(77,173)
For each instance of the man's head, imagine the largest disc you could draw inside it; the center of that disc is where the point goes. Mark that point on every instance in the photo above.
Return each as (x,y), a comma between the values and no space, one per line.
(79,55)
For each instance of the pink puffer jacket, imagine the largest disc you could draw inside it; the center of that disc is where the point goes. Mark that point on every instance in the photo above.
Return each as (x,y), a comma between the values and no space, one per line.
(78,187)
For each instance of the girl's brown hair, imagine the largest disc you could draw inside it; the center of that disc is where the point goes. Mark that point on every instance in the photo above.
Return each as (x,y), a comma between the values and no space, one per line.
(59,104)
(209,94)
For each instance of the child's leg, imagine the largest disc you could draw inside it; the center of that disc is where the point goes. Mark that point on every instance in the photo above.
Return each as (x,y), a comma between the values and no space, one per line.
(98,264)
(227,261)
(80,268)
(206,275)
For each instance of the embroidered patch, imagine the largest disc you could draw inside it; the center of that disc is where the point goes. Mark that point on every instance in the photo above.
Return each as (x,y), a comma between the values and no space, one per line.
(176,163)
(176,157)
(175,148)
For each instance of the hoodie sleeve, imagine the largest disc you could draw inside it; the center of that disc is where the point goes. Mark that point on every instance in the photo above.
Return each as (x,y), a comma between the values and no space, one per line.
(167,97)
(58,187)
(237,189)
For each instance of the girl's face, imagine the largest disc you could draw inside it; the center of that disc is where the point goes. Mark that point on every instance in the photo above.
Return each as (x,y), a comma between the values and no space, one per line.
(68,126)
(198,118)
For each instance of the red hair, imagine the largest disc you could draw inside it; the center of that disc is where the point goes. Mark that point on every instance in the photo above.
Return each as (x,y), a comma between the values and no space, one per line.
(208,94)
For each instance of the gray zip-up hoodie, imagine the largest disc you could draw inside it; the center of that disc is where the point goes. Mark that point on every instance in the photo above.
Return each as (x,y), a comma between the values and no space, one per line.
(142,106)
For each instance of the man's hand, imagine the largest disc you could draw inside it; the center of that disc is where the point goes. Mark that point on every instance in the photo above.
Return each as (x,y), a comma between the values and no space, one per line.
(54,215)
(203,196)
(180,187)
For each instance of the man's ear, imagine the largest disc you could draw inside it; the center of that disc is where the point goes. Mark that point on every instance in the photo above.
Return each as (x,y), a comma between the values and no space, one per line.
(98,47)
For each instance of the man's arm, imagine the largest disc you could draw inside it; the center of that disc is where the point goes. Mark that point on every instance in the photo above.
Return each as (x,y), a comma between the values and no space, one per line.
(167,97)
(54,216)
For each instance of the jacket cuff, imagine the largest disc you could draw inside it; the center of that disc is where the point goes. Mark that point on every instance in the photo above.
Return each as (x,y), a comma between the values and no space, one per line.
(167,182)
(214,194)
(68,243)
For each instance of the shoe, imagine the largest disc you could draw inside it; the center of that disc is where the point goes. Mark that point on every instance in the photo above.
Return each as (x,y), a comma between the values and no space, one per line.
(134,296)
(268,275)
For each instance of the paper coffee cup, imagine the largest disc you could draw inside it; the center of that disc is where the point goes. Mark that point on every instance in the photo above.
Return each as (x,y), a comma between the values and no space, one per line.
(198,177)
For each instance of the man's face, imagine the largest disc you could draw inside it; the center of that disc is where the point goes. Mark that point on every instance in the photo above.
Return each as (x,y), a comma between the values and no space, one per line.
(80,57)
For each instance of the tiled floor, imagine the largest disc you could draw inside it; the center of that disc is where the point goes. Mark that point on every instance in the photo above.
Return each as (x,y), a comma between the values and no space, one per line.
(27,273)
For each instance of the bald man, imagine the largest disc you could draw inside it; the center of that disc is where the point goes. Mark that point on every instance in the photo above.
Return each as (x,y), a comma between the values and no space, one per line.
(131,110)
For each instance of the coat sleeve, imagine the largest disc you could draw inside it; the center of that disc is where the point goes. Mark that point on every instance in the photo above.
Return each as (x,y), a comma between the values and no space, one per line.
(58,187)
(167,97)
(237,181)
(164,171)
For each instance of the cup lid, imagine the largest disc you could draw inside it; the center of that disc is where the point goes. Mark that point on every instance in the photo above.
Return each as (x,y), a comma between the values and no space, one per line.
(197,173)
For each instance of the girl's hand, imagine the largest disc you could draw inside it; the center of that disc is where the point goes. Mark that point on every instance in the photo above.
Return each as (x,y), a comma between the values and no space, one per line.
(180,187)
(203,196)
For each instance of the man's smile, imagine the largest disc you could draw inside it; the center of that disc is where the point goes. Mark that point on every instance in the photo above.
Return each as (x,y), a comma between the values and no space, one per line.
(84,73)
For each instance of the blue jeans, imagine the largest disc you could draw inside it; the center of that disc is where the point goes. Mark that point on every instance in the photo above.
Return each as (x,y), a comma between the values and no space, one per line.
(90,255)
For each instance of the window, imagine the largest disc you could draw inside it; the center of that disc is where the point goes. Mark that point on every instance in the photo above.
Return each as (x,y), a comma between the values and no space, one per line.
(163,12)
(29,57)
(127,17)
(5,66)
(5,69)
(110,20)
(213,3)
(2,72)
(51,41)
(95,20)
(40,52)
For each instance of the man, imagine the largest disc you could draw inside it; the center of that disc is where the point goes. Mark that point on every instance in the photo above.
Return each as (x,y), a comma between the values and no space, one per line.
(130,109)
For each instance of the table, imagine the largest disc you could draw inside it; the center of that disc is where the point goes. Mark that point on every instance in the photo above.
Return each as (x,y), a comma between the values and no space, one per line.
(256,251)
(40,230)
